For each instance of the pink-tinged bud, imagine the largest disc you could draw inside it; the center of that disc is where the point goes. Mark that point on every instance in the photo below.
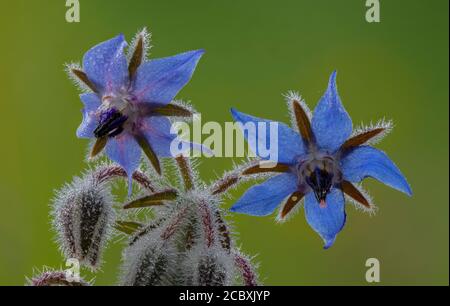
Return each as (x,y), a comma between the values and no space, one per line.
(55,278)
(246,270)
(83,216)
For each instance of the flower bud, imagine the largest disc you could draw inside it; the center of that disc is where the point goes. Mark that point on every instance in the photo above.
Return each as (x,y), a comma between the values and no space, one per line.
(149,261)
(83,215)
(247,271)
(209,267)
(55,278)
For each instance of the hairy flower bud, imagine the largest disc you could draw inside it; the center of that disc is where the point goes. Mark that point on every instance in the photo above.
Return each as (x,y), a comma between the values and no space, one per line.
(209,267)
(247,271)
(149,261)
(210,272)
(55,278)
(83,215)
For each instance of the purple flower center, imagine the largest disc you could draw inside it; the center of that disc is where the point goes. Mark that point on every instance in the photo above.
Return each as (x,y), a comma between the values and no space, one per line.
(110,123)
(320,173)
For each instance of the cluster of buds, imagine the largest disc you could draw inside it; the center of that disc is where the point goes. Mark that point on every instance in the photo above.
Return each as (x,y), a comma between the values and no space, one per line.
(174,227)
(189,241)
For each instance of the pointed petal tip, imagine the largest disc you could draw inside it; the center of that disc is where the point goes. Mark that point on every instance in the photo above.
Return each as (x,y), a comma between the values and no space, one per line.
(329,243)
(236,209)
(121,38)
(332,81)
(130,185)
(404,187)
(408,190)
(197,54)
(192,55)
(235,114)
(241,209)
(333,75)
(201,51)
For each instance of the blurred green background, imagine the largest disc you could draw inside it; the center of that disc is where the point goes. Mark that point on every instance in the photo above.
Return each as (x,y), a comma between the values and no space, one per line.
(256,50)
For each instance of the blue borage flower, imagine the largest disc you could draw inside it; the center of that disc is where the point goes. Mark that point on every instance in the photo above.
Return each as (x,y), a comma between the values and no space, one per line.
(319,161)
(127,107)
